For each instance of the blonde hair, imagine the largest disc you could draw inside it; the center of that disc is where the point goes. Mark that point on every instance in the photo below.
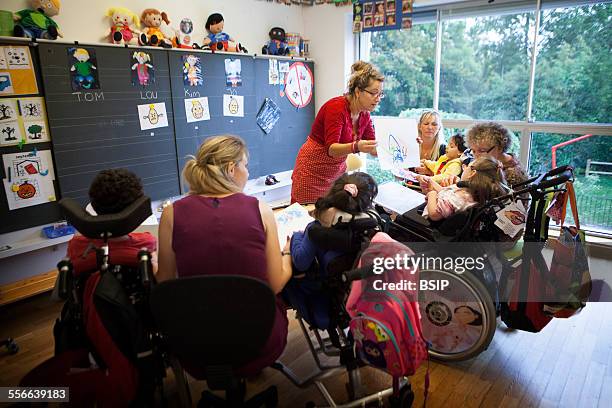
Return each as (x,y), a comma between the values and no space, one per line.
(488,180)
(435,150)
(361,75)
(127,12)
(81,51)
(208,171)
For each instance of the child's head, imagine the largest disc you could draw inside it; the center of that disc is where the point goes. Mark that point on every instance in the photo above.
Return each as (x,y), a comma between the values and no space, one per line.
(485,179)
(212,23)
(352,193)
(456,146)
(113,190)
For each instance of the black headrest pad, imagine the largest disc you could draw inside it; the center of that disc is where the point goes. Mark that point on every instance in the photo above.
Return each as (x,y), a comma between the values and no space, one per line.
(113,225)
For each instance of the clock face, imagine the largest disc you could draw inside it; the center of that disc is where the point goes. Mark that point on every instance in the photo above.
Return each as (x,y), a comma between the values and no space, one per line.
(298,85)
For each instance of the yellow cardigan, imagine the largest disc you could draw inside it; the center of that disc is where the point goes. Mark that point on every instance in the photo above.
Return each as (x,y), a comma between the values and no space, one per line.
(444,167)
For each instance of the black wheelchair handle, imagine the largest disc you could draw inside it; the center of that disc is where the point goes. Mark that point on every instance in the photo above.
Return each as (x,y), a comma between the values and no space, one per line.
(564,177)
(357,274)
(65,278)
(144,260)
(558,170)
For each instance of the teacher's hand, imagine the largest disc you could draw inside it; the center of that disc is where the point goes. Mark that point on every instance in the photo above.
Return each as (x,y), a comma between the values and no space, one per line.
(367,146)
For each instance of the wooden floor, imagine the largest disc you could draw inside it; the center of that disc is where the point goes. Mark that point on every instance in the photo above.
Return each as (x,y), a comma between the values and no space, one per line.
(568,364)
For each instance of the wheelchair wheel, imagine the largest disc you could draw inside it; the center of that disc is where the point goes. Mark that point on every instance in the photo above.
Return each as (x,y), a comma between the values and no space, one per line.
(459,321)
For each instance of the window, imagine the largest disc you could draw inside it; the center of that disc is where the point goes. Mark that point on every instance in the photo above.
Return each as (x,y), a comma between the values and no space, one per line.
(572,82)
(485,66)
(406,58)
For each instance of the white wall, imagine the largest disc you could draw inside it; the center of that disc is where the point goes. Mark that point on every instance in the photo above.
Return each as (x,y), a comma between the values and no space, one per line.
(248,21)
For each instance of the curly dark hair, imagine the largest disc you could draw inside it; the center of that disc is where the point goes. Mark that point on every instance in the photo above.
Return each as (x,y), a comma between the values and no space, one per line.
(459,141)
(338,197)
(113,190)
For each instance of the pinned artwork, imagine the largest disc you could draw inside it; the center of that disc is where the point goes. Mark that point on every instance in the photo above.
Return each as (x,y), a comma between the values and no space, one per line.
(299,83)
(36,131)
(3,62)
(233,72)
(6,84)
(10,133)
(31,109)
(18,58)
(143,71)
(192,70)
(273,72)
(233,105)
(397,146)
(8,110)
(283,68)
(152,116)
(83,69)
(29,178)
(268,115)
(196,109)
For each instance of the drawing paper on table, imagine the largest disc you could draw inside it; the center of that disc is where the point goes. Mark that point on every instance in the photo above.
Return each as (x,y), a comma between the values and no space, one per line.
(398,198)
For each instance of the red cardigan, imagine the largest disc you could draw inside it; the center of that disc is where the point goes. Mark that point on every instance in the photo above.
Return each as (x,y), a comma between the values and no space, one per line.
(333,124)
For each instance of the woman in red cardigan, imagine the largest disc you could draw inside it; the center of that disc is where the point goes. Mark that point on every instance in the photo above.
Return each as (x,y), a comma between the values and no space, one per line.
(342,126)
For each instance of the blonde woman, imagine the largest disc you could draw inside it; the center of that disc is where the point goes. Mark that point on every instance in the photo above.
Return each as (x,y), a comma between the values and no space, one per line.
(216,229)
(342,126)
(430,138)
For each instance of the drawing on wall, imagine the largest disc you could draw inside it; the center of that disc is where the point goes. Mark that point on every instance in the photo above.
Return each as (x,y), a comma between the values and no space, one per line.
(268,115)
(7,110)
(143,71)
(29,178)
(298,85)
(36,131)
(233,105)
(31,109)
(397,146)
(6,85)
(192,70)
(11,133)
(17,57)
(152,116)
(83,69)
(3,63)
(233,72)
(196,109)
(272,71)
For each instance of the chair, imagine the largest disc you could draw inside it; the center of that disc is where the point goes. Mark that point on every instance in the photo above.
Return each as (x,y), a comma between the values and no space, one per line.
(217,323)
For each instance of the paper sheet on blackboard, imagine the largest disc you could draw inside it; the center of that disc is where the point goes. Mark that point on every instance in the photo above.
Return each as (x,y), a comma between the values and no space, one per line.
(29,178)
(152,116)
(233,105)
(268,115)
(398,198)
(397,145)
(196,109)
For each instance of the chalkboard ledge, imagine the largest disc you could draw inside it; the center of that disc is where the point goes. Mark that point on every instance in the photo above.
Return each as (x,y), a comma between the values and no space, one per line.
(256,186)
(31,239)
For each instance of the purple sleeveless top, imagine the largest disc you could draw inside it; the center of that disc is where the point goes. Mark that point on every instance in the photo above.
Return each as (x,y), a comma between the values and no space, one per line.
(213,236)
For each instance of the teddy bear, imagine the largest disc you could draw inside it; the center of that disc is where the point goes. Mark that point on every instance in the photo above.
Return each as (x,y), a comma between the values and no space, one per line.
(277,45)
(216,39)
(153,33)
(37,22)
(121,31)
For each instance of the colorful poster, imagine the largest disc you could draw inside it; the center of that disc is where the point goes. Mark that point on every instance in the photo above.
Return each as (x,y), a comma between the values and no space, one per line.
(23,120)
(196,109)
(152,116)
(192,70)
(397,146)
(17,75)
(83,69)
(233,105)
(298,84)
(29,178)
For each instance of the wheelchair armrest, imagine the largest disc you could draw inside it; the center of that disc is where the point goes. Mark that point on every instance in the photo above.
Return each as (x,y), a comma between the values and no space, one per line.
(109,225)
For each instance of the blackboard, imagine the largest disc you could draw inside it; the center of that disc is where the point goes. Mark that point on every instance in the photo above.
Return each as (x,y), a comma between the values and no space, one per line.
(97,129)
(29,216)
(269,153)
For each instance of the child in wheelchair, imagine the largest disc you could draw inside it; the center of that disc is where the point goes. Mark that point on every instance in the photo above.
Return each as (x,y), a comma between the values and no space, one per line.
(448,164)
(103,330)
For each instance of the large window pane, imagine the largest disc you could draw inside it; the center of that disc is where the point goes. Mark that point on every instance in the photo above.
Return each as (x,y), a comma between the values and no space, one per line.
(593,191)
(485,64)
(406,58)
(574,64)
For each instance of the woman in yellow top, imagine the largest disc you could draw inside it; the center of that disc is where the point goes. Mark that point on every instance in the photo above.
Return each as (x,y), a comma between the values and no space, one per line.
(448,164)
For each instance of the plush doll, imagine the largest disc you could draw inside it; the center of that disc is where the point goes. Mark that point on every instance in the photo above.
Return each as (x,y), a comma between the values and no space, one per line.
(216,39)
(277,44)
(152,34)
(121,31)
(37,22)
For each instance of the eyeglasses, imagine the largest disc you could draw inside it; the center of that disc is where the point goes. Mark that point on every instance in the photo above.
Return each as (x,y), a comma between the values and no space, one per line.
(376,95)
(485,151)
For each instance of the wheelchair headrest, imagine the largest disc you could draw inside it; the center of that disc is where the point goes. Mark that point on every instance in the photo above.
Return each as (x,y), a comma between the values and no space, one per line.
(111,225)
(347,234)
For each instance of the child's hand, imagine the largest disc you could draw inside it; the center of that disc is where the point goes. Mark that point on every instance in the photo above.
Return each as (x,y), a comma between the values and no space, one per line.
(449,180)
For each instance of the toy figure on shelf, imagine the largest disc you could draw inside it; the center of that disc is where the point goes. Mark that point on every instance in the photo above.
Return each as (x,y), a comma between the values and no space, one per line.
(121,31)
(277,44)
(152,34)
(217,40)
(184,36)
(37,22)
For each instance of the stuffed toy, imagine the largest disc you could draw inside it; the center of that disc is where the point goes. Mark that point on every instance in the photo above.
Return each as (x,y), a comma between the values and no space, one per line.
(216,39)
(37,22)
(152,34)
(277,44)
(121,31)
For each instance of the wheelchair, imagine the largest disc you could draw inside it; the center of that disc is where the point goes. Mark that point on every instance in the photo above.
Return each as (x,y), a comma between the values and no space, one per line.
(325,327)
(105,331)
(474,294)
